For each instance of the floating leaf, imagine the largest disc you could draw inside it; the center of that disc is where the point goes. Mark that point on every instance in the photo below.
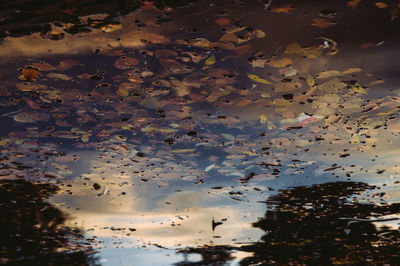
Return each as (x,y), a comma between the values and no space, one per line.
(59,76)
(183,150)
(353,3)
(281,62)
(5,142)
(263,119)
(293,48)
(210,61)
(223,21)
(258,79)
(229,37)
(285,86)
(123,91)
(23,118)
(381,5)
(322,23)
(310,80)
(312,52)
(259,34)
(29,74)
(328,74)
(209,168)
(258,63)
(332,86)
(125,62)
(358,89)
(282,9)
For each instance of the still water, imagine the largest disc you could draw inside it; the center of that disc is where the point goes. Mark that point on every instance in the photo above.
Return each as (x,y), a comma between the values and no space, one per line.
(205,133)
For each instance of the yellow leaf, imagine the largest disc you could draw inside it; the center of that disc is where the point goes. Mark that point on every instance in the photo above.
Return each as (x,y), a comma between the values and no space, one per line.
(85,138)
(263,119)
(358,89)
(123,91)
(4,142)
(310,80)
(183,150)
(258,79)
(249,153)
(126,126)
(260,34)
(381,5)
(210,61)
(167,130)
(148,129)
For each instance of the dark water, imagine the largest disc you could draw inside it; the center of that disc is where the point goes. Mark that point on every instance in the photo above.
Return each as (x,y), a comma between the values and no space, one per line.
(210,133)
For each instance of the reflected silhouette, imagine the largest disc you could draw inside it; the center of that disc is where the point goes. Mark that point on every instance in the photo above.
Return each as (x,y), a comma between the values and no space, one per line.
(320,225)
(33,230)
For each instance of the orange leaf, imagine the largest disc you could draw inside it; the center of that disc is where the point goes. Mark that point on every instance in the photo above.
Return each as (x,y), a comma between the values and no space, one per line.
(381,5)
(29,74)
(223,21)
(353,3)
(282,9)
(322,23)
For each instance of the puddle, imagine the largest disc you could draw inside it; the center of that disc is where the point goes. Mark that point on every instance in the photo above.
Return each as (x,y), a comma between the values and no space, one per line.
(207,133)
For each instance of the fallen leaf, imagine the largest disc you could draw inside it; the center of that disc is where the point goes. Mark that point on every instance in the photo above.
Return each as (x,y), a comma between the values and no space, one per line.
(59,76)
(210,61)
(322,23)
(310,80)
(312,52)
(147,5)
(223,21)
(229,37)
(43,66)
(258,63)
(29,74)
(183,150)
(259,34)
(358,89)
(258,79)
(285,86)
(281,62)
(23,118)
(125,62)
(293,48)
(381,5)
(353,3)
(332,86)
(282,9)
(328,74)
(181,89)
(263,119)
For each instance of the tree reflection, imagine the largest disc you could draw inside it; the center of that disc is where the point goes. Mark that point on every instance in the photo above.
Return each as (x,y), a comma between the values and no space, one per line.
(33,230)
(321,225)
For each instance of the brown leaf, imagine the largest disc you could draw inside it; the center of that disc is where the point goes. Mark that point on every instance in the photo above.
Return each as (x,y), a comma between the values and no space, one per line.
(279,62)
(282,9)
(29,74)
(125,62)
(322,23)
(353,3)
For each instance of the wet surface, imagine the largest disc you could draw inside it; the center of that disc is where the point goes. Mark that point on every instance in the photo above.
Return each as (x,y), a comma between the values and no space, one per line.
(226,132)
